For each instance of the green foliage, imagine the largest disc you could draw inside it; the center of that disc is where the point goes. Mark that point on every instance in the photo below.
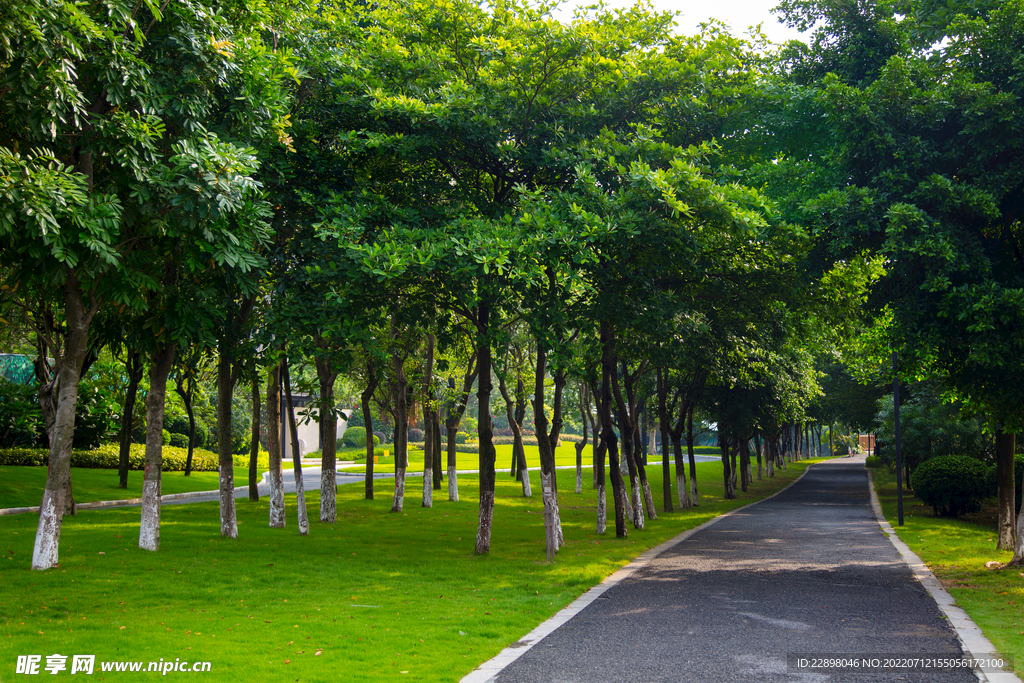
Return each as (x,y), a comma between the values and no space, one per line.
(179,440)
(108,456)
(952,484)
(21,420)
(873,461)
(356,437)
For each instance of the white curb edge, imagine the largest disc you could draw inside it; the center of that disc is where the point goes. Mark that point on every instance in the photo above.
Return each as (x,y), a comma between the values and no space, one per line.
(492,667)
(974,643)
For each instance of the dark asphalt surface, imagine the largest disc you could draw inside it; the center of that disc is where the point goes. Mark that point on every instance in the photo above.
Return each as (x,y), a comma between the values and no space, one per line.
(808,571)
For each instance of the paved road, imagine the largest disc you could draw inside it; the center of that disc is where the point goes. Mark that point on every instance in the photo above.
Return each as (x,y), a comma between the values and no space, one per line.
(808,571)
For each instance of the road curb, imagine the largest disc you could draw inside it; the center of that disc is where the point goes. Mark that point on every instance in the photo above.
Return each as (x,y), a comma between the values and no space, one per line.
(974,642)
(492,667)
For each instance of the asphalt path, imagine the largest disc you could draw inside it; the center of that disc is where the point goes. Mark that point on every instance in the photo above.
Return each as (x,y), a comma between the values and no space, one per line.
(808,571)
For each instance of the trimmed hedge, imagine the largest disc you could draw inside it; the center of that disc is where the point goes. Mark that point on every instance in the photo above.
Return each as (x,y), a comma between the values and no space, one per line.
(107,456)
(951,484)
(873,461)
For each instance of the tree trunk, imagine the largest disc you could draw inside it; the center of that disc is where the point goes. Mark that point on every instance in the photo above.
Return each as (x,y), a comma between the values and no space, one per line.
(628,429)
(745,477)
(159,369)
(435,425)
(518,451)
(1007,493)
(429,405)
(254,445)
(401,431)
(225,389)
(453,417)
(608,369)
(758,445)
(371,386)
(58,475)
(694,498)
(485,430)
(581,445)
(133,368)
(186,398)
(666,464)
(274,447)
(300,489)
(328,428)
(723,446)
(546,439)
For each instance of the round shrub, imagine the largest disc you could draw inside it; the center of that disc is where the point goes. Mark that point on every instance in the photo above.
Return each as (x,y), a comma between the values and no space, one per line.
(951,484)
(379,437)
(415,435)
(354,437)
(461,437)
(179,440)
(873,461)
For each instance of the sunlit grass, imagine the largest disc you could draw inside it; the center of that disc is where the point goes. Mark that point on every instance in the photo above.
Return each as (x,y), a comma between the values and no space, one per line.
(377,594)
(956,550)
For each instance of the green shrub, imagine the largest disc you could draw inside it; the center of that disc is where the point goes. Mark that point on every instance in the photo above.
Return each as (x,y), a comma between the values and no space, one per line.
(179,440)
(354,437)
(461,437)
(951,484)
(108,455)
(165,438)
(415,435)
(873,461)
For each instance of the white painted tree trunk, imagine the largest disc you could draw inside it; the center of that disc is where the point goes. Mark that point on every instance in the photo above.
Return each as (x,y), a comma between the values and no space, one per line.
(628,507)
(428,487)
(652,512)
(694,498)
(453,485)
(44,554)
(682,490)
(527,490)
(549,492)
(602,512)
(277,512)
(637,505)
(275,474)
(149,528)
(399,500)
(579,479)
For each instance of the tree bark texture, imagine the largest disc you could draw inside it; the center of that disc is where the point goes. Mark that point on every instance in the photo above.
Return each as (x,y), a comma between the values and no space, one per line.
(694,499)
(401,431)
(300,489)
(274,422)
(666,464)
(429,405)
(225,389)
(485,431)
(372,380)
(453,417)
(546,440)
(159,369)
(608,369)
(133,369)
(1005,443)
(328,432)
(254,443)
(58,475)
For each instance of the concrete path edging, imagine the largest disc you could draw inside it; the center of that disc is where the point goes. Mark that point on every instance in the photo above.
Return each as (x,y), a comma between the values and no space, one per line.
(492,667)
(974,643)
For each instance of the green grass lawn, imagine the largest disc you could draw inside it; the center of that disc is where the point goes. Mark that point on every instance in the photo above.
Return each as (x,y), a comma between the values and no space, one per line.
(565,456)
(956,550)
(23,486)
(377,596)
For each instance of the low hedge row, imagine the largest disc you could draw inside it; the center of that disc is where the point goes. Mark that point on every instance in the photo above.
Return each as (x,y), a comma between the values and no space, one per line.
(108,456)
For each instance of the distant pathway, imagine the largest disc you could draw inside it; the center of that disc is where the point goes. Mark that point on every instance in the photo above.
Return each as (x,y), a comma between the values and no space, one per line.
(808,571)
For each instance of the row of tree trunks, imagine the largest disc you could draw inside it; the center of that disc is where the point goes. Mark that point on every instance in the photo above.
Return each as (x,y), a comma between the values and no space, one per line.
(514,416)
(608,438)
(453,417)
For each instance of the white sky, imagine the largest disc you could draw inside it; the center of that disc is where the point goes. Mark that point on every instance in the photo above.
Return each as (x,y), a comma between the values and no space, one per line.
(738,14)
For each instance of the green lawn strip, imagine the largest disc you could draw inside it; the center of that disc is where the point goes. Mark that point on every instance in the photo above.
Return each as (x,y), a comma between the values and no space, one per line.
(956,551)
(23,486)
(565,456)
(377,594)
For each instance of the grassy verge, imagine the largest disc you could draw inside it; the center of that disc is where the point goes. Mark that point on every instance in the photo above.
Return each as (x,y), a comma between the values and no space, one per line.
(565,456)
(23,486)
(377,596)
(956,550)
